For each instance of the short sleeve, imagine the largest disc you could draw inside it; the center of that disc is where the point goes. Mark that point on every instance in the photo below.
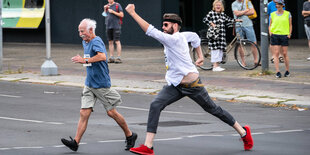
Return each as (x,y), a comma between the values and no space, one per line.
(98,46)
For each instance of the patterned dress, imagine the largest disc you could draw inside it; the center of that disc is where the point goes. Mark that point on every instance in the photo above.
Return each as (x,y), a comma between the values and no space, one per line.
(219,19)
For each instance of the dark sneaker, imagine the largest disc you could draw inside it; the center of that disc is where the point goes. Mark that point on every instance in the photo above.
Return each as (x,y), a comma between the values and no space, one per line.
(287,74)
(281,60)
(130,141)
(144,150)
(247,139)
(118,60)
(70,144)
(111,60)
(278,75)
(272,60)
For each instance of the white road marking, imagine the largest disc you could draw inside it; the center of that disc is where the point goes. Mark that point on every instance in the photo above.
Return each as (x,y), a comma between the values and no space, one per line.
(32,121)
(110,141)
(12,96)
(164,111)
(286,131)
(165,139)
(209,135)
(57,146)
(33,147)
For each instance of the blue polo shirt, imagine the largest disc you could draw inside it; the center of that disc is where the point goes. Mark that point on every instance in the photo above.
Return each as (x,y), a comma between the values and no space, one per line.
(98,73)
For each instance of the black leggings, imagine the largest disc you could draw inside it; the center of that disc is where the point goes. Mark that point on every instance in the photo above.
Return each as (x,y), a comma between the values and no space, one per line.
(170,94)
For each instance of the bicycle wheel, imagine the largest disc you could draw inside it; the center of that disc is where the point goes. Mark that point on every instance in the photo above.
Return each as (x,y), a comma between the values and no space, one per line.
(247,54)
(207,65)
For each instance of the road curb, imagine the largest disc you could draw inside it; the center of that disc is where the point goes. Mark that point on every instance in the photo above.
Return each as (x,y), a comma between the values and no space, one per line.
(224,95)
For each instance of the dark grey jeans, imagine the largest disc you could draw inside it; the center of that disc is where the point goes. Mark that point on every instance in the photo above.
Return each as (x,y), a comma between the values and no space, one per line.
(170,94)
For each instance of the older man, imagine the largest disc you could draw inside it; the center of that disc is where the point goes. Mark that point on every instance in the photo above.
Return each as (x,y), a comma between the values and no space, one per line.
(97,85)
(182,77)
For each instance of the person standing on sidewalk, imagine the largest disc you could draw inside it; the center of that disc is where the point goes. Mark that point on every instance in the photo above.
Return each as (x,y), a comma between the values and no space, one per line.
(113,21)
(97,86)
(182,77)
(241,11)
(306,14)
(271,7)
(218,19)
(280,30)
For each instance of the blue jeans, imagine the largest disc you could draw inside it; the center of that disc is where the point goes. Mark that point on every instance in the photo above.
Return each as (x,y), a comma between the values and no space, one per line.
(170,94)
(247,32)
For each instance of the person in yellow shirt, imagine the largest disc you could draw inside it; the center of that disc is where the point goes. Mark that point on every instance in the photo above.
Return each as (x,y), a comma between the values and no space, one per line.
(280,30)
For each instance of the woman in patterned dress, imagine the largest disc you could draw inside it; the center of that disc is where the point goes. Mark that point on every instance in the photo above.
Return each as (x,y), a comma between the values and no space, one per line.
(217,19)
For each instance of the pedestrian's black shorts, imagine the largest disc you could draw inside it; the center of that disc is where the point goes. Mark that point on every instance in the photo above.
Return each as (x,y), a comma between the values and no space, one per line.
(114,34)
(280,40)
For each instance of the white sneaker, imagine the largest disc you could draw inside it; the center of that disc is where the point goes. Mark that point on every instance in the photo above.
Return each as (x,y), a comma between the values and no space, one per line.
(308,59)
(218,69)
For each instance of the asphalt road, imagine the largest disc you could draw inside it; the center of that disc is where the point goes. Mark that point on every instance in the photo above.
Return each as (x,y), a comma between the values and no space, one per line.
(34,117)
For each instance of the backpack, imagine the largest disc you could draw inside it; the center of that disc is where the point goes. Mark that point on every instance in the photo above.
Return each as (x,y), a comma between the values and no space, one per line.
(117,10)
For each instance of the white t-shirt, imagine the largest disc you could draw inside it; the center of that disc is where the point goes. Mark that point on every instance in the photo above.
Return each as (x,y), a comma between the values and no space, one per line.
(177,56)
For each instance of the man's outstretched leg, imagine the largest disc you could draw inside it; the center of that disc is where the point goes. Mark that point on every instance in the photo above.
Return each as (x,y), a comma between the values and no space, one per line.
(246,136)
(73,144)
(203,99)
(131,137)
(147,148)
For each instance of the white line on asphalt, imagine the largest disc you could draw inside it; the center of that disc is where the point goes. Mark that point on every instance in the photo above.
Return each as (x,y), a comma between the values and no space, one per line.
(193,136)
(33,147)
(58,146)
(33,121)
(167,139)
(164,111)
(110,141)
(286,131)
(12,96)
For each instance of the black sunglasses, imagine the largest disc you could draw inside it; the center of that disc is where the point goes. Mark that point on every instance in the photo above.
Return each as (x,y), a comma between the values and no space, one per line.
(166,24)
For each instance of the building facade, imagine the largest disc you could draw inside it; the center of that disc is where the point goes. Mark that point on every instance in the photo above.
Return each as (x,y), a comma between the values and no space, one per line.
(66,15)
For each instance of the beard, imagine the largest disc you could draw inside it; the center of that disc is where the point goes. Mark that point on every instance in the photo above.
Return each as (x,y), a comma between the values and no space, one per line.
(170,31)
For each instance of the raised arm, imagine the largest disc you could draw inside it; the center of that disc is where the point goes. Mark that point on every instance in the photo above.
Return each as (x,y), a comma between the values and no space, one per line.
(131,11)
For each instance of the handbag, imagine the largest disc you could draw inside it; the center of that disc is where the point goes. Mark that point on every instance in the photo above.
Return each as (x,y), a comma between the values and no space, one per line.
(213,33)
(255,14)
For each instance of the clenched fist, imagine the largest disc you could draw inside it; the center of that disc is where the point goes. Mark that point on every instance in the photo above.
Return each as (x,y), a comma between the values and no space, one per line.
(130,8)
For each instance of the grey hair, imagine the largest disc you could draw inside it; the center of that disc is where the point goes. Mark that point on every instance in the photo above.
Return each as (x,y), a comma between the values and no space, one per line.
(90,24)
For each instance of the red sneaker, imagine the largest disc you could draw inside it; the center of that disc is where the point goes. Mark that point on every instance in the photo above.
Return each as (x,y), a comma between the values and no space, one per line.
(247,139)
(143,150)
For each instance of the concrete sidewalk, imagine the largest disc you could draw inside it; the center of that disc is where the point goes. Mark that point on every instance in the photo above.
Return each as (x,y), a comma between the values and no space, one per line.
(143,71)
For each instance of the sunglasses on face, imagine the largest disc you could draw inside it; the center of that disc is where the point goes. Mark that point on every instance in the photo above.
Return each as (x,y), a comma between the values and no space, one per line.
(165,24)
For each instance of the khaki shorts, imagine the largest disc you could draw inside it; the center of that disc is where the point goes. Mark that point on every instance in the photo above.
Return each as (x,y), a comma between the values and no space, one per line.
(109,98)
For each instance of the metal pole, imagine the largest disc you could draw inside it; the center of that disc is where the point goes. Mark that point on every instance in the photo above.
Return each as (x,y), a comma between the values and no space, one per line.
(48,30)
(264,34)
(48,67)
(1,41)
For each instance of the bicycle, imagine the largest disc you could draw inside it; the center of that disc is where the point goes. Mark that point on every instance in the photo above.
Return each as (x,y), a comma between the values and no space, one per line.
(242,52)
